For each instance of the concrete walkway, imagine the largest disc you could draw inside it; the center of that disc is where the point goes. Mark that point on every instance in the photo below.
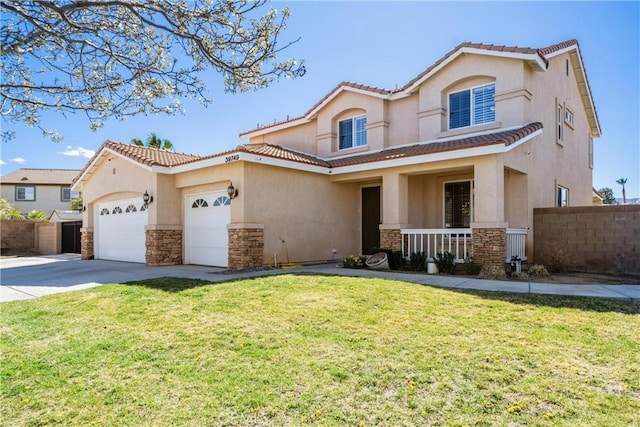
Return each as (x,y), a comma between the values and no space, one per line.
(32,277)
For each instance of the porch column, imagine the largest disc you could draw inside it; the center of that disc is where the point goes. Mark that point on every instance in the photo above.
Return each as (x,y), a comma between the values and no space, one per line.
(395,209)
(164,245)
(489,226)
(86,242)
(246,246)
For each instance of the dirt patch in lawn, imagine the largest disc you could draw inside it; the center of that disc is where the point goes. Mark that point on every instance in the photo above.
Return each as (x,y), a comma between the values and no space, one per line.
(590,278)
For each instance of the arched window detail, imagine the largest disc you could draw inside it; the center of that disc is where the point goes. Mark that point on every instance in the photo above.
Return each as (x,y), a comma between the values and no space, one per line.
(131,208)
(200,203)
(222,201)
(104,211)
(117,210)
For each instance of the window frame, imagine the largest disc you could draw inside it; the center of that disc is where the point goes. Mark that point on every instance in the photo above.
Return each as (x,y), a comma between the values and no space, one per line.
(71,193)
(560,190)
(444,202)
(472,106)
(354,132)
(18,187)
(559,123)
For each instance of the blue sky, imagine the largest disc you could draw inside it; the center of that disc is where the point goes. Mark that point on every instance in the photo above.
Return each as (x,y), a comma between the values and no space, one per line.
(385,44)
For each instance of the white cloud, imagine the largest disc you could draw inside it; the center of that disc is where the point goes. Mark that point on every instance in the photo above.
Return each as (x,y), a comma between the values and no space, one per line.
(2,162)
(77,152)
(18,160)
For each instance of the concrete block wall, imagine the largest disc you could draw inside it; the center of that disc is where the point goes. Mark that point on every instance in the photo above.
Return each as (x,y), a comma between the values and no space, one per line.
(596,239)
(28,235)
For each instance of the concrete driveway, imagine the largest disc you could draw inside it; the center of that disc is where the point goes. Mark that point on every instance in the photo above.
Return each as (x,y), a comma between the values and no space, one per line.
(31,277)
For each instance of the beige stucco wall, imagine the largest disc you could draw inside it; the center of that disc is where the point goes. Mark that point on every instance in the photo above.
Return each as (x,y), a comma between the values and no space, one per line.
(307,211)
(116,178)
(47,198)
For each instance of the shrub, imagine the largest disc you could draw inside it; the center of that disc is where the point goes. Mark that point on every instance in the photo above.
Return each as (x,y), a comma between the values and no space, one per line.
(354,261)
(537,271)
(398,260)
(37,215)
(471,267)
(520,275)
(445,262)
(493,272)
(417,261)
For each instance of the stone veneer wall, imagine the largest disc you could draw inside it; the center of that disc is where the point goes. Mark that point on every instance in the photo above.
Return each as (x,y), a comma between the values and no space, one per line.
(164,247)
(391,239)
(490,246)
(86,243)
(246,248)
(593,239)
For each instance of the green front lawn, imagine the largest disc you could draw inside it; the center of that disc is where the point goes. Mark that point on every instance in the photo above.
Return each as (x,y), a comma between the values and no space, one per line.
(298,350)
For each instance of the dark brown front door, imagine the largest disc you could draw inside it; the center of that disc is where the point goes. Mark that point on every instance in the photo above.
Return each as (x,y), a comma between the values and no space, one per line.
(370,218)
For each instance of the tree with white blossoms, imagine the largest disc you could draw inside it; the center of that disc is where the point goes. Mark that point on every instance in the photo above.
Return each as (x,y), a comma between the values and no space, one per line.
(120,58)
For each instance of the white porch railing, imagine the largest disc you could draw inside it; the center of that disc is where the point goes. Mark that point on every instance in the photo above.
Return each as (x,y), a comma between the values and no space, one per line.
(516,238)
(431,241)
(457,241)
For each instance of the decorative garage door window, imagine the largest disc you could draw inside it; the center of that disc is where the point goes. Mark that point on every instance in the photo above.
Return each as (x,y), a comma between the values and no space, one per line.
(104,211)
(200,203)
(131,208)
(117,210)
(143,208)
(222,201)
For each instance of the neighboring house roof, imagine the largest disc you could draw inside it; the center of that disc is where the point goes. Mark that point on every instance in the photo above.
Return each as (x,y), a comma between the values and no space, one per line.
(143,155)
(537,57)
(40,176)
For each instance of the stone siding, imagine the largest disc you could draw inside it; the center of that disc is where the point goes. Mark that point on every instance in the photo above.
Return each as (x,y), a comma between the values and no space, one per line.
(164,247)
(391,239)
(246,248)
(490,246)
(591,239)
(86,244)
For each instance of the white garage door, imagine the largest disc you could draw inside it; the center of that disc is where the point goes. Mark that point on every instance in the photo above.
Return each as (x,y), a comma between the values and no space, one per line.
(207,239)
(120,230)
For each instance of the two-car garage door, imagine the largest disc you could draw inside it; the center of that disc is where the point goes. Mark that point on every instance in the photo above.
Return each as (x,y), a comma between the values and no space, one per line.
(121,230)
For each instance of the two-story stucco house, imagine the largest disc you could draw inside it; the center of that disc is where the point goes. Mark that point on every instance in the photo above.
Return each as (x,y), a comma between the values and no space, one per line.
(454,160)
(45,190)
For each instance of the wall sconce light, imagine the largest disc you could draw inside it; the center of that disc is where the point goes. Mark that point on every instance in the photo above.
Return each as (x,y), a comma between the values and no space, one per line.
(232,191)
(80,208)
(146,198)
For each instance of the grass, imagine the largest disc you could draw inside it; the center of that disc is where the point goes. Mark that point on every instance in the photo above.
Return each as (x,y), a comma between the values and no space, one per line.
(313,350)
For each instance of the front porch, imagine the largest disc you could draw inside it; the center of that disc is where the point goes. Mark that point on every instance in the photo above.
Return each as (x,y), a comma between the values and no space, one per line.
(457,241)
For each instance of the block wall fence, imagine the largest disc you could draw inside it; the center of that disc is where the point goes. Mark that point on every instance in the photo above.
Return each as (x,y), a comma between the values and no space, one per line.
(592,239)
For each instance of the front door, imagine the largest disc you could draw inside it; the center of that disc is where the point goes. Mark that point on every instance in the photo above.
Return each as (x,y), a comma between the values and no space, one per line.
(370,218)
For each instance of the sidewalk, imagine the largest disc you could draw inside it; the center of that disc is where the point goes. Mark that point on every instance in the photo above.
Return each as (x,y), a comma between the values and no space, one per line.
(32,277)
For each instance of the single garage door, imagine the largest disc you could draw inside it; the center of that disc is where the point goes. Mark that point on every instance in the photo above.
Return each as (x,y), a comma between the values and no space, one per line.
(207,239)
(120,230)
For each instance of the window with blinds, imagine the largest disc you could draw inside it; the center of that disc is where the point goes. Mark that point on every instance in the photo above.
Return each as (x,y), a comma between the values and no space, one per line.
(472,106)
(457,204)
(352,132)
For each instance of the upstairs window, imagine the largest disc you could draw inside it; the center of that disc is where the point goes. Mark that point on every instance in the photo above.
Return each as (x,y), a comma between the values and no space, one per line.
(352,132)
(25,194)
(560,123)
(66,194)
(472,106)
(562,197)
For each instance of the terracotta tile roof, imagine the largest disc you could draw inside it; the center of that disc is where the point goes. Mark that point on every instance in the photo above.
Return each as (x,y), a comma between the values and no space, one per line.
(40,176)
(144,155)
(149,156)
(277,152)
(505,137)
(542,52)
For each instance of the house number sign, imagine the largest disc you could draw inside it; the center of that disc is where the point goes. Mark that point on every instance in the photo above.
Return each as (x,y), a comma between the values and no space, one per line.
(233,158)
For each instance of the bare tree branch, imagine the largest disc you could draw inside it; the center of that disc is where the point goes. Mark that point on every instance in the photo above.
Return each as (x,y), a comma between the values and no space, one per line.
(122,58)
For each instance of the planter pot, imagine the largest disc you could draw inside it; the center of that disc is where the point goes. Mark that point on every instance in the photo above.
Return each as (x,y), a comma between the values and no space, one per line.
(378,261)
(432,268)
